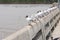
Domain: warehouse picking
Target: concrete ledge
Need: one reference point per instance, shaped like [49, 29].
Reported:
[21, 35]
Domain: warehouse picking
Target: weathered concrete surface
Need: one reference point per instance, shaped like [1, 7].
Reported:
[56, 32]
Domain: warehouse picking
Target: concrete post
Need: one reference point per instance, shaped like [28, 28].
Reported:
[43, 31]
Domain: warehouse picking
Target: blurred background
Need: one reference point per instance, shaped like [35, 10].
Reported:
[26, 1]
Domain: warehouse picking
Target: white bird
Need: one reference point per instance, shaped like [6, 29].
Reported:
[28, 18]
[38, 14]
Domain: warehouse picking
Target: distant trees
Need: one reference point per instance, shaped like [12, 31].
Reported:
[27, 1]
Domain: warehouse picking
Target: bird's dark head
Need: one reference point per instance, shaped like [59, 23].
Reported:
[26, 16]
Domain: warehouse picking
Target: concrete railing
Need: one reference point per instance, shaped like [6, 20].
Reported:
[39, 27]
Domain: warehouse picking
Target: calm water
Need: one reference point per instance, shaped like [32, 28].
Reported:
[12, 17]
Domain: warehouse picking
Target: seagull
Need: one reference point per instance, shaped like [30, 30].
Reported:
[28, 18]
[39, 14]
